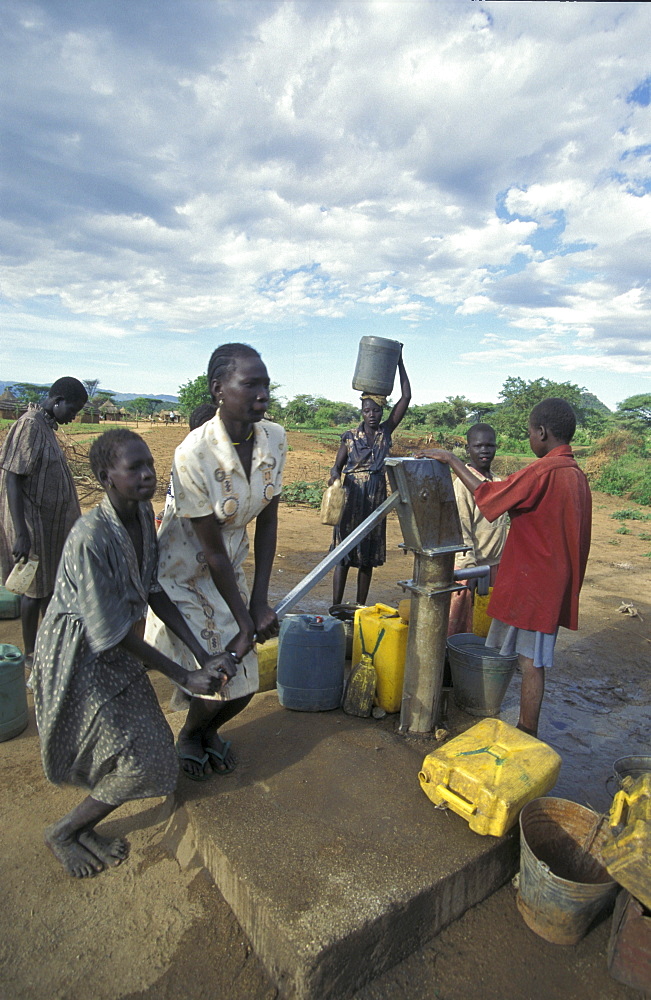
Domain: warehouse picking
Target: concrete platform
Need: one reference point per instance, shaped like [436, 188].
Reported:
[333, 860]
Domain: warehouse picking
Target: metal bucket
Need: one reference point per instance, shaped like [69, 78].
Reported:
[631, 766]
[377, 360]
[564, 885]
[13, 696]
[480, 675]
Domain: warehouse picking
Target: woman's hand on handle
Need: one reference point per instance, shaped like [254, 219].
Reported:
[265, 621]
[242, 643]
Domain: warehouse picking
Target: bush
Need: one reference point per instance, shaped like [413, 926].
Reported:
[630, 514]
[628, 476]
[302, 492]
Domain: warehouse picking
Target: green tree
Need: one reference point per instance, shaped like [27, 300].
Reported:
[301, 409]
[193, 394]
[146, 406]
[30, 392]
[90, 385]
[196, 391]
[518, 398]
[635, 411]
[481, 413]
[102, 396]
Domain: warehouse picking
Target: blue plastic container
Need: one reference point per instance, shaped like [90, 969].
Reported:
[13, 694]
[311, 658]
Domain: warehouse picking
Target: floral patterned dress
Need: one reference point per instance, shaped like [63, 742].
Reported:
[365, 486]
[208, 478]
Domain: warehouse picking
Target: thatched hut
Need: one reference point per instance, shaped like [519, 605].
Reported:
[109, 411]
[10, 408]
[89, 414]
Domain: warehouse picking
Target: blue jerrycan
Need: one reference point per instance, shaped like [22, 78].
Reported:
[311, 657]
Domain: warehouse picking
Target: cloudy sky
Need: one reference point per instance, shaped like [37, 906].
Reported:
[471, 178]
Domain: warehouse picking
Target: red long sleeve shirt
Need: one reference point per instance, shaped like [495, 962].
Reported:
[546, 551]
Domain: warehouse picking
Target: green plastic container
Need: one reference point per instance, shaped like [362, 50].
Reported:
[13, 694]
[9, 604]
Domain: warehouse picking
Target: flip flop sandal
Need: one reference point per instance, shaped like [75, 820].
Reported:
[205, 775]
[221, 756]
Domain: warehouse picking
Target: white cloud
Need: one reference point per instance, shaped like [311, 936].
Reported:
[255, 166]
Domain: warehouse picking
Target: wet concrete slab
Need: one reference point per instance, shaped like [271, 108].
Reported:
[333, 860]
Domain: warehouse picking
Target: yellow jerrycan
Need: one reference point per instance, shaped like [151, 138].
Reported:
[267, 663]
[488, 773]
[389, 656]
[626, 855]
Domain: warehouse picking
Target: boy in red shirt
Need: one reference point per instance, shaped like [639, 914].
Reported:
[544, 559]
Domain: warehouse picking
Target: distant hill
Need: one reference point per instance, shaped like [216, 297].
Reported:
[121, 396]
[125, 396]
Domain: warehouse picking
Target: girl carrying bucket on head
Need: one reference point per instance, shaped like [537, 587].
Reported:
[360, 460]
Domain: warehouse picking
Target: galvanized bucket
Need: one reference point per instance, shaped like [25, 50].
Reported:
[564, 885]
[631, 766]
[480, 675]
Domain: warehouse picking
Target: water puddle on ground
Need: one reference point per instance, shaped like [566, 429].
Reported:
[590, 726]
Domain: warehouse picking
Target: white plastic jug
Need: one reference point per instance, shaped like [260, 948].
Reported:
[20, 579]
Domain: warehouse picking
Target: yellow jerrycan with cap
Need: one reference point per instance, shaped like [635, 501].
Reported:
[487, 774]
[389, 656]
[627, 854]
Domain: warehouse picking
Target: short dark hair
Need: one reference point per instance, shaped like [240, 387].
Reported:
[223, 360]
[479, 429]
[201, 414]
[104, 449]
[70, 389]
[555, 415]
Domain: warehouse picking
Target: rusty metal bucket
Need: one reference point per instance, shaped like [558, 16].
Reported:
[564, 885]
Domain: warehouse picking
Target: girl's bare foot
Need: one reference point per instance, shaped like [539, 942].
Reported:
[110, 852]
[74, 857]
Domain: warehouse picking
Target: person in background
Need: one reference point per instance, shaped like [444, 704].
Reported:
[226, 473]
[485, 540]
[360, 459]
[546, 551]
[38, 500]
[99, 721]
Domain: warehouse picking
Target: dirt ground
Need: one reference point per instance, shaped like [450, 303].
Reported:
[151, 930]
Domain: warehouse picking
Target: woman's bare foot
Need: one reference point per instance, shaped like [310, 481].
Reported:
[192, 756]
[110, 852]
[74, 857]
[222, 758]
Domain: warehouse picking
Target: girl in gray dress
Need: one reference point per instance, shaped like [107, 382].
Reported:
[98, 718]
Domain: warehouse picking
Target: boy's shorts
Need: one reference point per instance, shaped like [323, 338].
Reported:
[537, 646]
